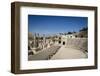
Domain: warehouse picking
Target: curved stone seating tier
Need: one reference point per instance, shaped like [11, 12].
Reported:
[77, 43]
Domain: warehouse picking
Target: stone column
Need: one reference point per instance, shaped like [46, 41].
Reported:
[35, 40]
[43, 41]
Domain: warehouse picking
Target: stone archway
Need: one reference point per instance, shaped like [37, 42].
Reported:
[63, 42]
[59, 42]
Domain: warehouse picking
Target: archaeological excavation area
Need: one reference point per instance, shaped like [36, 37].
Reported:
[69, 46]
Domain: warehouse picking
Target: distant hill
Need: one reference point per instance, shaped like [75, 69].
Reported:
[83, 34]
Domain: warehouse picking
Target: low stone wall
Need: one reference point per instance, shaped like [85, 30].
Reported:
[78, 43]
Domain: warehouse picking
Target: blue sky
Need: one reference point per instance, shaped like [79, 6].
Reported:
[55, 24]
